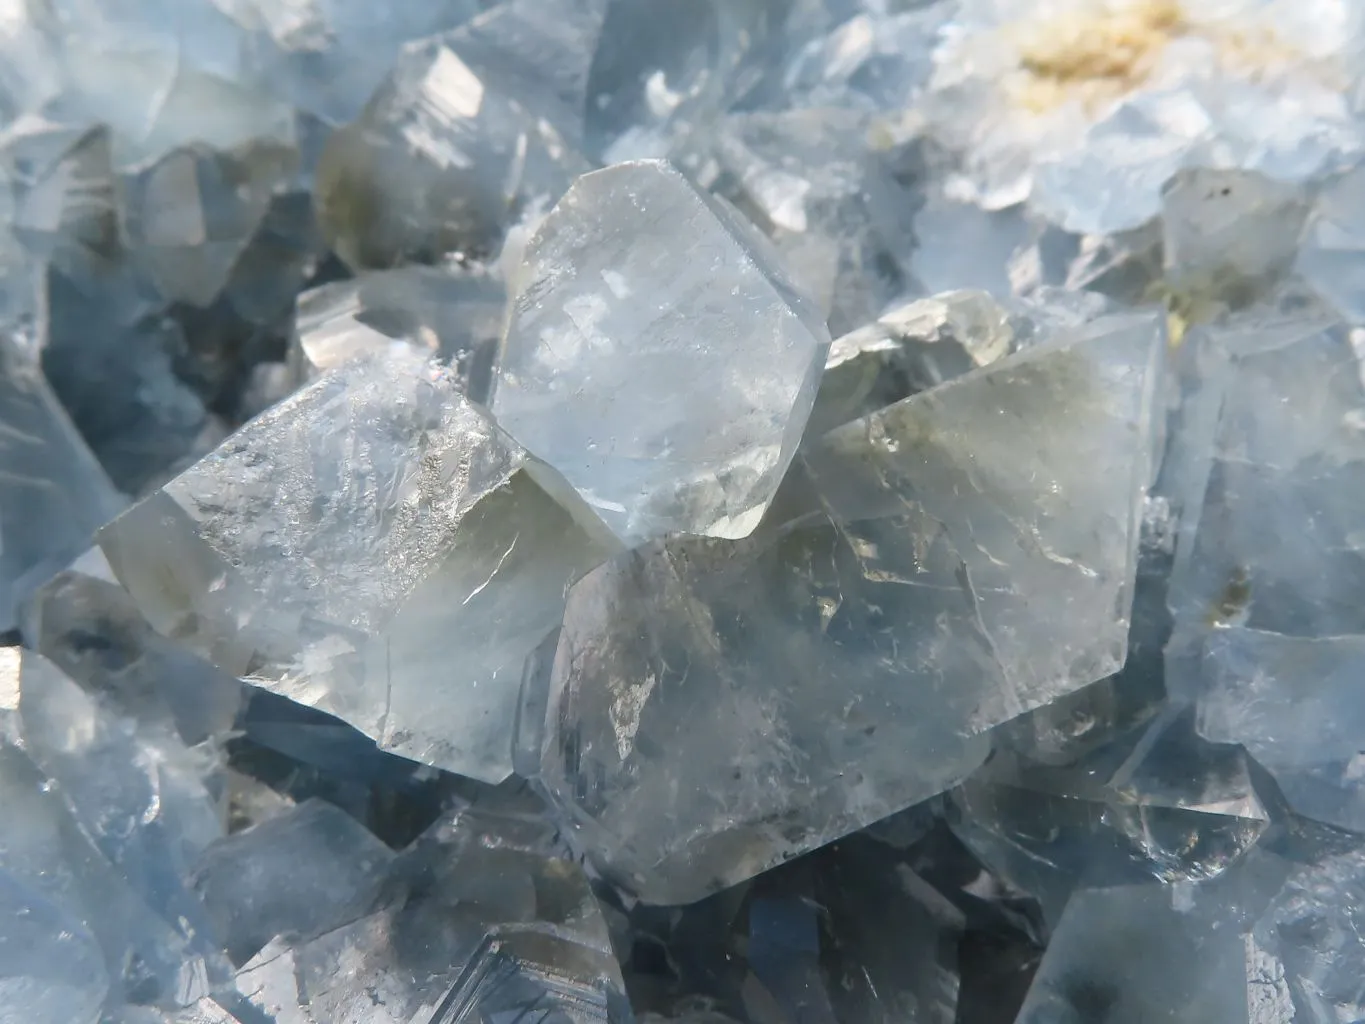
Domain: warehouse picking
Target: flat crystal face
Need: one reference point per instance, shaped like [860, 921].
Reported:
[604, 315]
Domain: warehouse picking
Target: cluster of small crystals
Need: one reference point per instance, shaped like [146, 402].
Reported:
[682, 511]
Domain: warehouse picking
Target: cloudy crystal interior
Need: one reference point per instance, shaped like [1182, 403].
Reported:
[682, 512]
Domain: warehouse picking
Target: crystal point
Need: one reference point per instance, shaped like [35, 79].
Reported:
[657, 356]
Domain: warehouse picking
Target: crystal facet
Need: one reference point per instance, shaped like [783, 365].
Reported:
[637, 276]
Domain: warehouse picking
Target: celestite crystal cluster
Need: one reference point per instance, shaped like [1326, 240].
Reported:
[682, 511]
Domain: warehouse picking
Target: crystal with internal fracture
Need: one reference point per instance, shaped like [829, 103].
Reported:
[657, 356]
[374, 547]
[964, 563]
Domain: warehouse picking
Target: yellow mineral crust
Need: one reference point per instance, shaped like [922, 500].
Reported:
[1097, 53]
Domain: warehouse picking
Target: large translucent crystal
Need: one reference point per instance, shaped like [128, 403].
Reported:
[657, 356]
[963, 563]
[374, 547]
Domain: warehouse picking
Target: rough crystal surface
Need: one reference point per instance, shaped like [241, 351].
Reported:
[636, 278]
[346, 544]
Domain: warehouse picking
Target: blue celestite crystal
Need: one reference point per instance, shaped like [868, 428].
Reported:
[449, 575]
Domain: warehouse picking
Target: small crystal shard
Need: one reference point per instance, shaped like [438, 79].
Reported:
[657, 357]
[348, 543]
[1129, 954]
[456, 316]
[907, 350]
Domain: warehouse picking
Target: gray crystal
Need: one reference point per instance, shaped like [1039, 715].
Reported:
[109, 352]
[456, 316]
[161, 75]
[64, 206]
[874, 59]
[54, 495]
[657, 356]
[1305, 954]
[346, 544]
[88, 626]
[1275, 500]
[663, 68]
[328, 56]
[1161, 804]
[907, 350]
[1228, 237]
[301, 873]
[491, 928]
[442, 160]
[190, 215]
[51, 968]
[134, 789]
[1292, 702]
[826, 199]
[1129, 955]
[890, 590]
